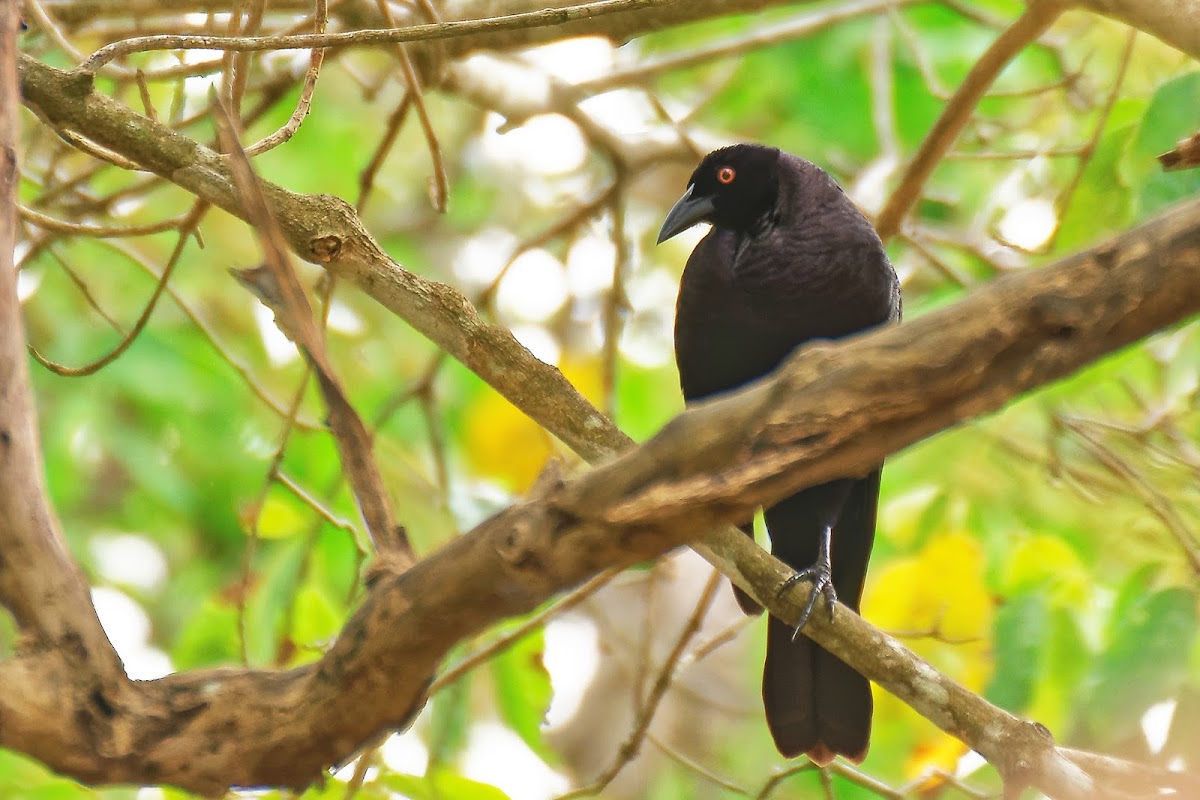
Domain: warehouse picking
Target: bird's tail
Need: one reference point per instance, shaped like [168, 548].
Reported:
[815, 704]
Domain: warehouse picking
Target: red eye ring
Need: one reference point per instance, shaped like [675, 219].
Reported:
[726, 174]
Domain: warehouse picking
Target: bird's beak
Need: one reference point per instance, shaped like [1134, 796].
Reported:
[686, 212]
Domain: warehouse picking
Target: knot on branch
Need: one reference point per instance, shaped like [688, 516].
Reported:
[1029, 757]
[521, 546]
[79, 83]
[393, 560]
[325, 249]
[1058, 317]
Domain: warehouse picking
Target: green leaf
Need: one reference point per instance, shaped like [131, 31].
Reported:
[1020, 632]
[449, 720]
[268, 603]
[1146, 662]
[1173, 114]
[1103, 200]
[22, 778]
[316, 619]
[1064, 669]
[441, 785]
[1132, 592]
[281, 516]
[209, 637]
[523, 690]
[1042, 561]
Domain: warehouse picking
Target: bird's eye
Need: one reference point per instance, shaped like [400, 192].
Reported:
[726, 174]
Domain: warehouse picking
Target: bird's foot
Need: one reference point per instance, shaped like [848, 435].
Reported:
[821, 575]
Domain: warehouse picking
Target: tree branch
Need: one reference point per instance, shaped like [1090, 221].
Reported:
[39, 582]
[206, 730]
[325, 230]
[830, 411]
[547, 18]
[1176, 22]
[1028, 27]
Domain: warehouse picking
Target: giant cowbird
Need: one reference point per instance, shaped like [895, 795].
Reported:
[789, 259]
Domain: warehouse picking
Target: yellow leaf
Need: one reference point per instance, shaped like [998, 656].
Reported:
[504, 444]
[942, 752]
[280, 518]
[1047, 561]
[939, 589]
[937, 602]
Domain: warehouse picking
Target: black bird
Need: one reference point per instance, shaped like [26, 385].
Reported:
[789, 259]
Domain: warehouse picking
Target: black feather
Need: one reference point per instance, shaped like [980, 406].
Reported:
[789, 259]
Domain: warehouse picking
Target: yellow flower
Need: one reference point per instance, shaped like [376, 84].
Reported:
[938, 604]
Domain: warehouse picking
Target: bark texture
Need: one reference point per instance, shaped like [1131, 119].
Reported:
[831, 410]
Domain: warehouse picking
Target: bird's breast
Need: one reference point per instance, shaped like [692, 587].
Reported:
[741, 311]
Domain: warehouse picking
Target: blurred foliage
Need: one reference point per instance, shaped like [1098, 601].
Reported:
[1011, 554]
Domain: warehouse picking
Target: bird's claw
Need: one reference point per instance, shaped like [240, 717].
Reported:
[822, 586]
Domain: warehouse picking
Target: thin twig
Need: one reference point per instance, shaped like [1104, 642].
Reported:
[934, 779]
[185, 231]
[85, 290]
[938, 90]
[368, 755]
[243, 61]
[254, 512]
[49, 223]
[722, 638]
[441, 184]
[50, 27]
[754, 39]
[772, 783]
[616, 304]
[933, 259]
[317, 506]
[207, 331]
[304, 103]
[1063, 202]
[415, 33]
[630, 747]
[883, 89]
[826, 782]
[1014, 155]
[698, 768]
[1146, 492]
[391, 130]
[1036, 18]
[144, 94]
[571, 222]
[279, 287]
[535, 622]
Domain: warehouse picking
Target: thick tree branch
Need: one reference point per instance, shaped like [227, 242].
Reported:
[326, 230]
[1176, 22]
[205, 730]
[832, 410]
[50, 605]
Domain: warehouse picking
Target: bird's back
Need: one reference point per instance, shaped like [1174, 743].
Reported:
[745, 304]
[789, 259]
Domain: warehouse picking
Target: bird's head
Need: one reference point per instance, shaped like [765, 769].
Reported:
[735, 187]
